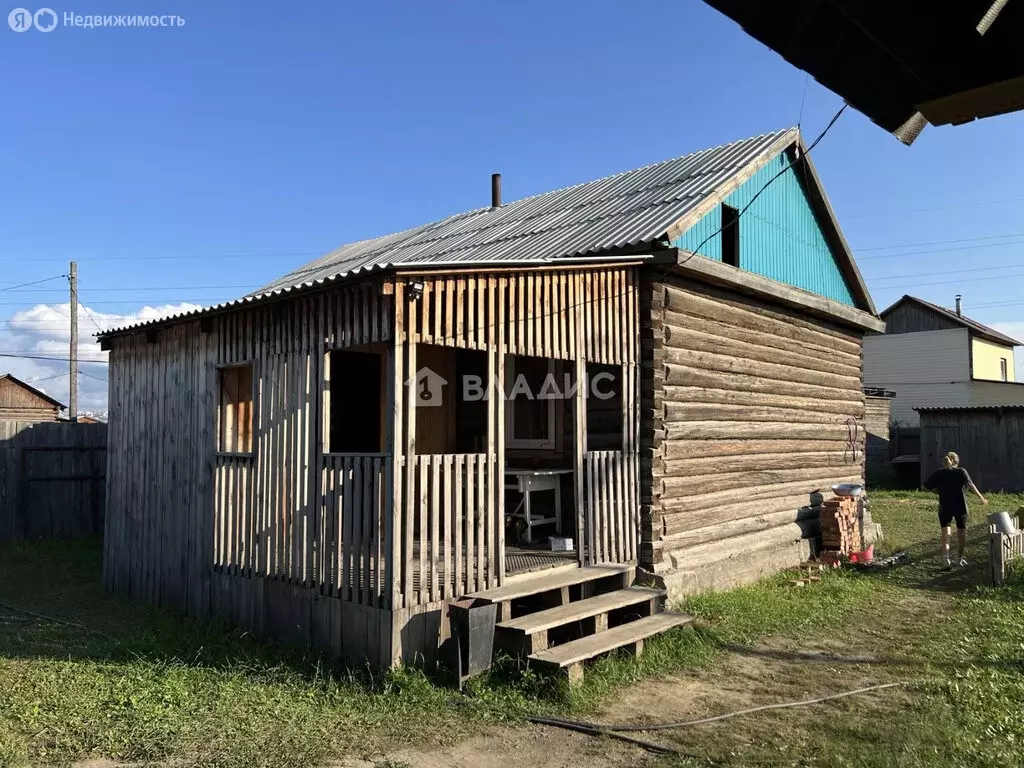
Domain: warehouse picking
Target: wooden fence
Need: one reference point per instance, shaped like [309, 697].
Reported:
[52, 479]
[1002, 549]
[610, 528]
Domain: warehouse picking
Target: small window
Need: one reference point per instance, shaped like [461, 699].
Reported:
[355, 403]
[730, 236]
[1004, 369]
[531, 404]
[234, 411]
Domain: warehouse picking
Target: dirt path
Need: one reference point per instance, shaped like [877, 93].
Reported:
[857, 653]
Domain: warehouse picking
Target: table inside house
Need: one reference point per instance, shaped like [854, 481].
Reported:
[528, 482]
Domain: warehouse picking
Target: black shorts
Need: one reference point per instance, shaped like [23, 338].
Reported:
[945, 518]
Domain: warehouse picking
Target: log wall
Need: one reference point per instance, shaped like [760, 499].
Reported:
[748, 408]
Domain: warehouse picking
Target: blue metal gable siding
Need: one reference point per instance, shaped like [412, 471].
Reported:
[780, 236]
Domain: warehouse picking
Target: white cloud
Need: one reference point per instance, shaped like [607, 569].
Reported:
[45, 330]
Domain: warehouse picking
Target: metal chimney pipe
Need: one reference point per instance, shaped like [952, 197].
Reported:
[959, 305]
[495, 190]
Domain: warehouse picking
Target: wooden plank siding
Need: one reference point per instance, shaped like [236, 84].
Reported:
[747, 409]
[253, 536]
[353, 553]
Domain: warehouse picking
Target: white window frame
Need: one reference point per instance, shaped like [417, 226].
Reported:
[525, 442]
[1004, 369]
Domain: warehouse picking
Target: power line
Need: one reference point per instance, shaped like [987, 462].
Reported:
[50, 358]
[934, 208]
[192, 257]
[48, 378]
[939, 242]
[949, 272]
[151, 288]
[35, 282]
[83, 373]
[939, 250]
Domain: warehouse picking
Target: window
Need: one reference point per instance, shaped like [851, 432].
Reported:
[531, 404]
[1004, 371]
[354, 403]
[730, 236]
[234, 410]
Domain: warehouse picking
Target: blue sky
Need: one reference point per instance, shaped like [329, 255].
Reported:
[193, 163]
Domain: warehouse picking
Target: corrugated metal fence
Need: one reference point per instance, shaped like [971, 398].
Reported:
[52, 479]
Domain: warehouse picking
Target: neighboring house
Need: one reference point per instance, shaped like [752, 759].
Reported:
[317, 460]
[23, 402]
[936, 357]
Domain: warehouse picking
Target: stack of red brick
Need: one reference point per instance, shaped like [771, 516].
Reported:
[840, 528]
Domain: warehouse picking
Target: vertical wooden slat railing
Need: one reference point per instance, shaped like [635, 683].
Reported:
[444, 553]
[352, 558]
[611, 512]
[234, 550]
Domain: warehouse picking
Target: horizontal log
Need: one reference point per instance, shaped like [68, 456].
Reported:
[677, 337]
[740, 549]
[674, 487]
[698, 323]
[716, 465]
[726, 362]
[739, 527]
[695, 449]
[677, 523]
[676, 412]
[854, 406]
[747, 313]
[758, 493]
[770, 430]
[680, 375]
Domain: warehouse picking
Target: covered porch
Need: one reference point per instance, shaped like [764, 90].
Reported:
[502, 413]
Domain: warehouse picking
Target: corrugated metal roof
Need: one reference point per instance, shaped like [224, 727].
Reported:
[627, 209]
[953, 408]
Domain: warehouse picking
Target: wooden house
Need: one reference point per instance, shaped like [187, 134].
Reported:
[629, 368]
[931, 356]
[23, 402]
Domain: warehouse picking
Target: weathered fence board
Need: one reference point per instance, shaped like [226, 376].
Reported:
[52, 479]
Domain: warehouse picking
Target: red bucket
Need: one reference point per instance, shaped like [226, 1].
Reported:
[864, 556]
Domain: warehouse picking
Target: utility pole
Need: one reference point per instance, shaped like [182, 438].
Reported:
[73, 357]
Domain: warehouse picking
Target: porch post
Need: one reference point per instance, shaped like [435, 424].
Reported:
[393, 502]
[580, 425]
[499, 452]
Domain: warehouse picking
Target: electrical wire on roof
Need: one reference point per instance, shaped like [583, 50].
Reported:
[768, 183]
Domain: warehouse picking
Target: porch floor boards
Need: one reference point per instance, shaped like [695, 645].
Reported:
[548, 582]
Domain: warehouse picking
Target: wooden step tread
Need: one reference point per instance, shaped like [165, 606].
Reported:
[546, 582]
[580, 609]
[593, 645]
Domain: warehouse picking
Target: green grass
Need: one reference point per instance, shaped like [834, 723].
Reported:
[138, 684]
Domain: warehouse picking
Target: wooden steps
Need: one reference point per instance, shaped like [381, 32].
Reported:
[529, 634]
[571, 656]
[561, 619]
[553, 588]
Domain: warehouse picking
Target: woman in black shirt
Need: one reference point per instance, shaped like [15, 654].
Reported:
[950, 483]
